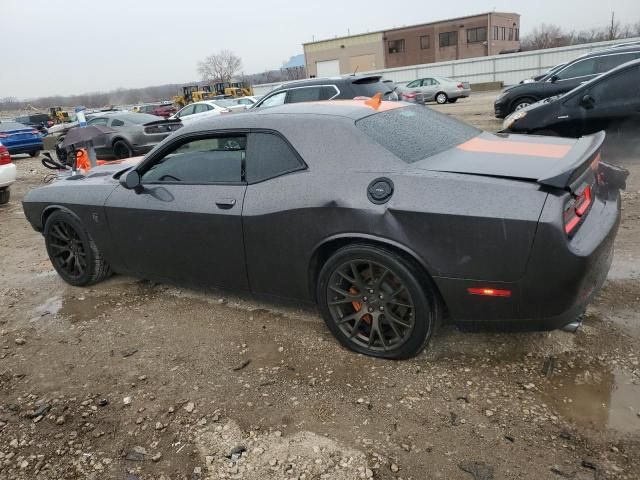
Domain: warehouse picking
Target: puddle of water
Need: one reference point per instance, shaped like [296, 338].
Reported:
[76, 309]
[597, 397]
[87, 306]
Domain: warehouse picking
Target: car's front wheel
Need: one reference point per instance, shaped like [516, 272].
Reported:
[376, 302]
[72, 251]
[34, 153]
[122, 149]
[521, 103]
[5, 196]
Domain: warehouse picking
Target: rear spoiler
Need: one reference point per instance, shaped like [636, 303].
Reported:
[161, 122]
[577, 161]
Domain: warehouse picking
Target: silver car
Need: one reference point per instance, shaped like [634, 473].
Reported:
[137, 133]
[438, 89]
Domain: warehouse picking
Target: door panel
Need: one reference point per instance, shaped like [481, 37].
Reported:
[179, 232]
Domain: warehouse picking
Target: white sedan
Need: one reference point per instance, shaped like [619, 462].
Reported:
[7, 174]
[199, 110]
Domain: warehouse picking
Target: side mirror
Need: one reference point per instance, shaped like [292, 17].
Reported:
[587, 101]
[554, 78]
[131, 180]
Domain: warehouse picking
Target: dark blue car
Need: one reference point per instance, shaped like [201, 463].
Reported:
[19, 138]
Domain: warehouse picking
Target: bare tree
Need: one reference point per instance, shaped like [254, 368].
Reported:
[220, 66]
[544, 36]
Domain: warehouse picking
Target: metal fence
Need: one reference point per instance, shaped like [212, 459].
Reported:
[508, 69]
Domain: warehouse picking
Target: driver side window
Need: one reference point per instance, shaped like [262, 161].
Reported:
[98, 121]
[274, 100]
[202, 161]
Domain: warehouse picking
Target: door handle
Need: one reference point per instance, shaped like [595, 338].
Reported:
[225, 203]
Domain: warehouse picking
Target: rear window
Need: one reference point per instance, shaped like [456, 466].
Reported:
[368, 87]
[415, 133]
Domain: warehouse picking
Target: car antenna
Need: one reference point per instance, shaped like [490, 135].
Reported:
[355, 71]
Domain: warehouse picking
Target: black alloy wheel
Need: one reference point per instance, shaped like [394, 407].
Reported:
[68, 253]
[72, 252]
[375, 303]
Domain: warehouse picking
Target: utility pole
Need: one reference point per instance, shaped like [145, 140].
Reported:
[611, 29]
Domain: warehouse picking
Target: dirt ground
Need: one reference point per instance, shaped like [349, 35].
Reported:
[135, 380]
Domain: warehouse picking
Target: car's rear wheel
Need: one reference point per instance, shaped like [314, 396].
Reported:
[452, 100]
[72, 251]
[521, 103]
[122, 149]
[5, 195]
[377, 303]
[441, 98]
[34, 153]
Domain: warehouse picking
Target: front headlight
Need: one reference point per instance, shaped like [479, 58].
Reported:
[513, 118]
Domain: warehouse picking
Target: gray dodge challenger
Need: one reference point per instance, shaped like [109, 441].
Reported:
[389, 216]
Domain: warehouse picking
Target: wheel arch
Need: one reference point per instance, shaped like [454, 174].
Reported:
[119, 138]
[327, 247]
[50, 209]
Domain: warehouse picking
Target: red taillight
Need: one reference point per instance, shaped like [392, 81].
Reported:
[460, 86]
[4, 135]
[409, 95]
[5, 158]
[489, 292]
[35, 132]
[576, 210]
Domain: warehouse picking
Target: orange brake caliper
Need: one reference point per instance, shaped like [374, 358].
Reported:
[357, 305]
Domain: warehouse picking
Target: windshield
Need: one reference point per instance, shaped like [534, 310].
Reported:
[415, 133]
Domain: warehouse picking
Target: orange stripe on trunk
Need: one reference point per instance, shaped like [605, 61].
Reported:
[549, 150]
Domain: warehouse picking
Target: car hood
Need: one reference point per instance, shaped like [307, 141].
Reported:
[114, 166]
[549, 161]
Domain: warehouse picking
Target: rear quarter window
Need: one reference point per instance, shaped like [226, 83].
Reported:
[415, 133]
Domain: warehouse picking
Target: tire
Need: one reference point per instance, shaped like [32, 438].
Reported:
[452, 100]
[5, 195]
[121, 149]
[63, 233]
[34, 154]
[521, 103]
[386, 329]
[441, 98]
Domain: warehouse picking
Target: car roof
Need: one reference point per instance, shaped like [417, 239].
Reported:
[326, 80]
[609, 51]
[347, 109]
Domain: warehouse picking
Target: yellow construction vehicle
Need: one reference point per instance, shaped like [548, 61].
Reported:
[233, 89]
[57, 115]
[192, 93]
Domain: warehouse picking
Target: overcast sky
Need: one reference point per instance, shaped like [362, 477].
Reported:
[77, 46]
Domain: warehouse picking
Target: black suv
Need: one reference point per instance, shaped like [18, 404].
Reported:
[316, 89]
[573, 74]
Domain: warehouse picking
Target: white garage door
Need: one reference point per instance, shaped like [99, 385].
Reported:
[328, 68]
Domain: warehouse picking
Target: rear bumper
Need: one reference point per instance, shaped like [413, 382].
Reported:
[562, 277]
[7, 175]
[25, 147]
[464, 93]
